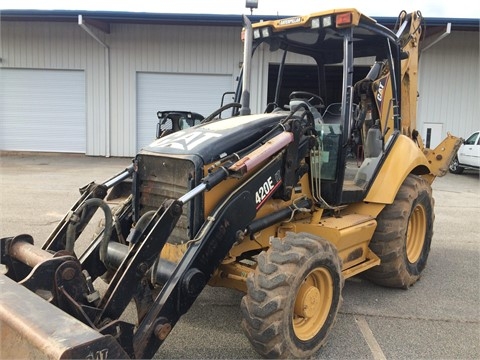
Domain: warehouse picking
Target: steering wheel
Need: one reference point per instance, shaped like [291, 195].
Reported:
[309, 97]
[271, 107]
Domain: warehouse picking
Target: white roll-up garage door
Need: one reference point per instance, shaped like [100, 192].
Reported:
[42, 110]
[182, 92]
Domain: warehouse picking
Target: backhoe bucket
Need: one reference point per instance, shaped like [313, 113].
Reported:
[32, 328]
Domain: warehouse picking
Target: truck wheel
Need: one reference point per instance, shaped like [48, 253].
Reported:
[454, 166]
[293, 297]
[403, 235]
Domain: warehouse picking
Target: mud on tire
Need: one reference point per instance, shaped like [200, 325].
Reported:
[403, 235]
[293, 297]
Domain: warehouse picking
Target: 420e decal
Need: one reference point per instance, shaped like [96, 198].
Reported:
[263, 192]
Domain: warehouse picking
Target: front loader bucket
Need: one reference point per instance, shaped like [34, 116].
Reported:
[32, 328]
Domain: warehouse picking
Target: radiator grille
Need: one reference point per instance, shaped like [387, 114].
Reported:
[161, 178]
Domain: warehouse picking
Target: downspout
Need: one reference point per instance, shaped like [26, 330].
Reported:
[439, 38]
[107, 81]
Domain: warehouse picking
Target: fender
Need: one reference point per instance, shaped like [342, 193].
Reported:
[404, 158]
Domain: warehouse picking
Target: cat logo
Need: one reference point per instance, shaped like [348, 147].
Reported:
[182, 140]
[381, 86]
[98, 355]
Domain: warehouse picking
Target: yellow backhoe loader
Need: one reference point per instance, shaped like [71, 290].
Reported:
[272, 204]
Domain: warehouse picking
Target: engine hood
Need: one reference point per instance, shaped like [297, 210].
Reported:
[210, 140]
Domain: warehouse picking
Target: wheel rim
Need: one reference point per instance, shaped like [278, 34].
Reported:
[312, 304]
[454, 165]
[417, 225]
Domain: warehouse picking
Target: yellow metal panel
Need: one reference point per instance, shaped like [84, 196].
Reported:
[403, 158]
[302, 21]
[364, 208]
[350, 234]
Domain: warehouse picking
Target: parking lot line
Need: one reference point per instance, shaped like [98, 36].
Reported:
[369, 338]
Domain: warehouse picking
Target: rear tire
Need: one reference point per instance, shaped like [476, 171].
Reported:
[293, 297]
[454, 166]
[403, 235]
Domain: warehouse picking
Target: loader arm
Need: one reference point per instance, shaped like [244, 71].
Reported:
[58, 238]
[66, 283]
[211, 245]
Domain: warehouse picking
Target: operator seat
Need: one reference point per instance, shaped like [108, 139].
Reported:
[367, 113]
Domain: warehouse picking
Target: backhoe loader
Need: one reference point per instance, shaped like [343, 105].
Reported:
[270, 204]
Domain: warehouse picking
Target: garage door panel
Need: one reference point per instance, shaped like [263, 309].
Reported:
[199, 93]
[42, 110]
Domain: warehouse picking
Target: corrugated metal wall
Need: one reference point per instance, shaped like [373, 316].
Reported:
[48, 45]
[163, 49]
[132, 49]
[449, 83]
[449, 71]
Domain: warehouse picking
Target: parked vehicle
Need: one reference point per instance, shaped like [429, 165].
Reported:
[173, 121]
[468, 155]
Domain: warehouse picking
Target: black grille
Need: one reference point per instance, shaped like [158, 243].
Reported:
[161, 178]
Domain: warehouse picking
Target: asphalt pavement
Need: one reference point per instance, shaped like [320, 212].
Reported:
[437, 318]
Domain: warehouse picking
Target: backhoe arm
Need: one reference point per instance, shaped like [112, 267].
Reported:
[410, 29]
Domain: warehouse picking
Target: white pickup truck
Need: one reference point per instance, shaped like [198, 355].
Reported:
[468, 155]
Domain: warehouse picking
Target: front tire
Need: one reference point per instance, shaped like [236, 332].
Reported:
[293, 297]
[455, 167]
[403, 235]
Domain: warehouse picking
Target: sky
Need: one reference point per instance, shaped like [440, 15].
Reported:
[382, 8]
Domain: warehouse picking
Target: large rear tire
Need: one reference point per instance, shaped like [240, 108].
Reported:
[293, 297]
[403, 235]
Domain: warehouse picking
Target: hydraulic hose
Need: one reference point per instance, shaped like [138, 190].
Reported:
[140, 227]
[78, 219]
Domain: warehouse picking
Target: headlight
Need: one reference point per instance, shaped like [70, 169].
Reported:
[327, 21]
[265, 32]
[315, 24]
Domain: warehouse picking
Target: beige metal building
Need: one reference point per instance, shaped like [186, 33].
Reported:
[92, 82]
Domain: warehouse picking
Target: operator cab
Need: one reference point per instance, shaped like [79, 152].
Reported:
[346, 86]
